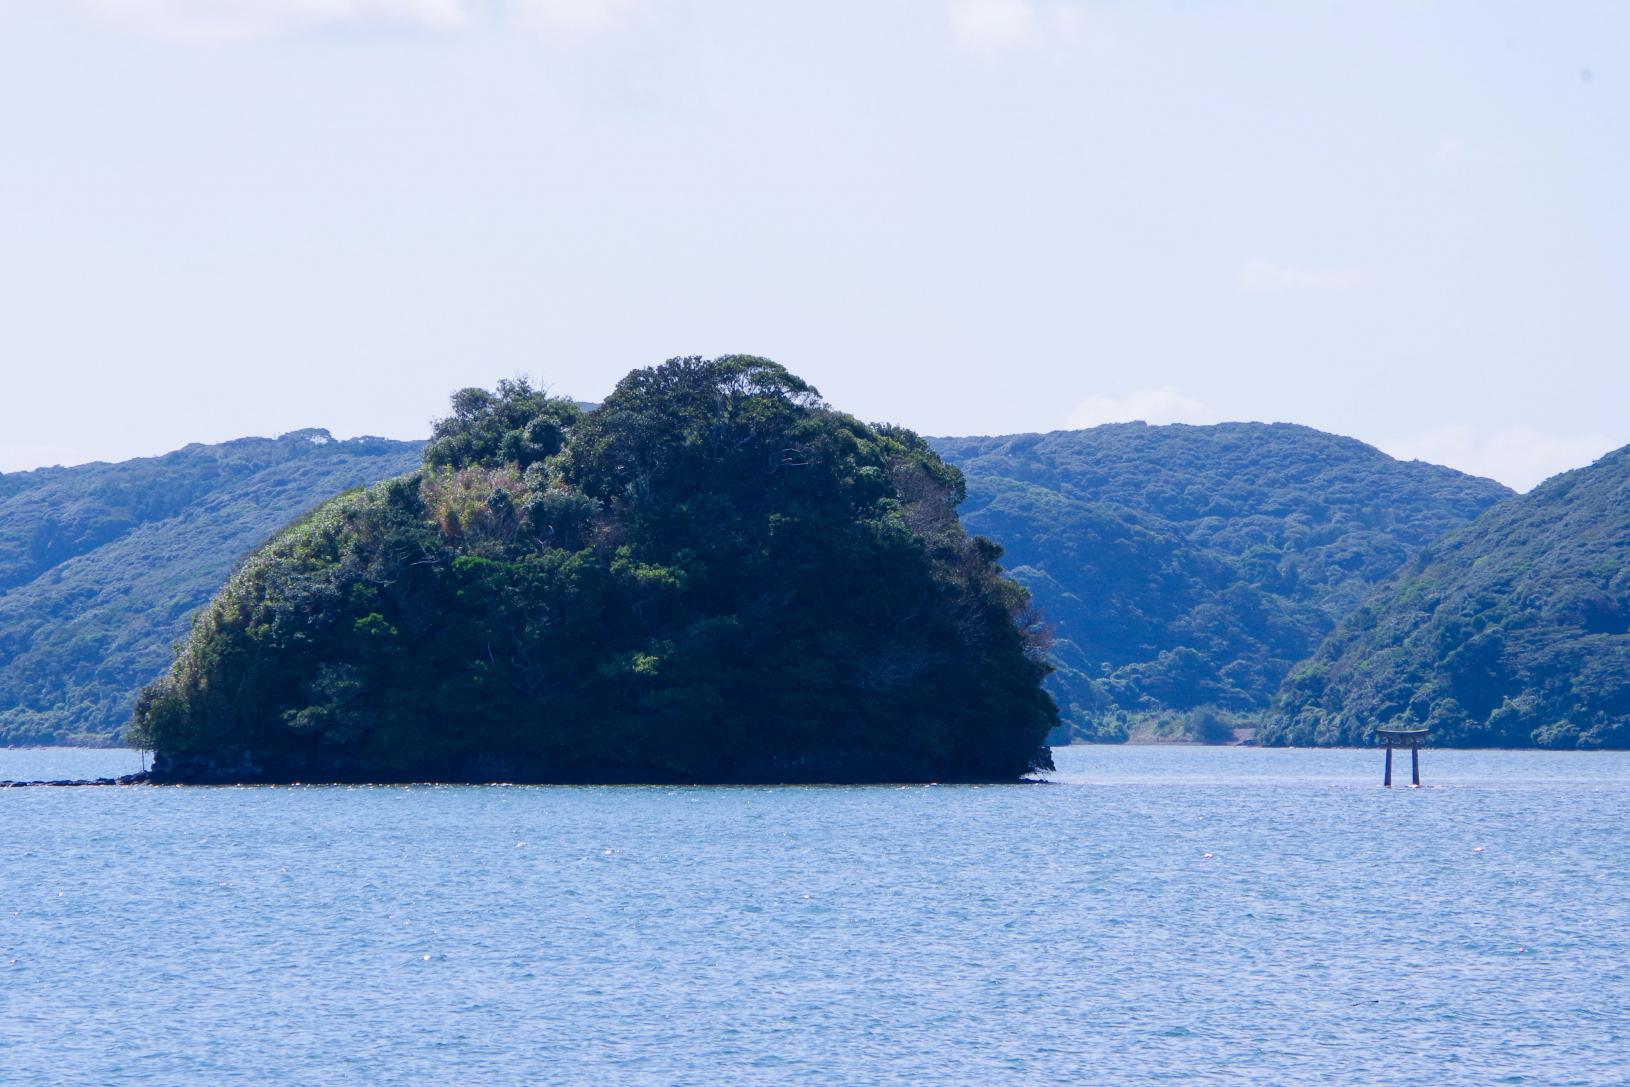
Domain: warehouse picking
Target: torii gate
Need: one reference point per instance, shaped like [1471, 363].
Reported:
[1397, 736]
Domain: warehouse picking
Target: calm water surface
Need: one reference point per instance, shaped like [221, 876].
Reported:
[1157, 915]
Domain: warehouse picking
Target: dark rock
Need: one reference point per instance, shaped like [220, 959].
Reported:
[142, 778]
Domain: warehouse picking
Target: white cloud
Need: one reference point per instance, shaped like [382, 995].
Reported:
[988, 26]
[253, 18]
[1270, 277]
[1519, 457]
[1156, 404]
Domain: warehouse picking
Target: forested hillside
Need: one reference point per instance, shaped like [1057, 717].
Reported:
[1512, 632]
[1186, 569]
[102, 565]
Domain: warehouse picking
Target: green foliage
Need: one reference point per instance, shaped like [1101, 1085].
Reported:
[1183, 567]
[1512, 632]
[516, 425]
[713, 577]
[107, 563]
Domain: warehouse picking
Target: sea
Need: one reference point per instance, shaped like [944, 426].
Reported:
[1148, 915]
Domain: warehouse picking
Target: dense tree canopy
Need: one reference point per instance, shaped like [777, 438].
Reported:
[1512, 632]
[1187, 569]
[711, 577]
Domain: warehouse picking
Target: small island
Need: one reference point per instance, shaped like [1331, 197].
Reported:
[711, 577]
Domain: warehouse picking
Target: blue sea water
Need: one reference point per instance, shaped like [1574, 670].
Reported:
[1156, 915]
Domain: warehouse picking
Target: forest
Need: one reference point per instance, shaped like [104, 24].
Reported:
[1196, 582]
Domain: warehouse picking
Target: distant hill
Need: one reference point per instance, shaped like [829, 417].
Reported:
[102, 565]
[1187, 569]
[1512, 632]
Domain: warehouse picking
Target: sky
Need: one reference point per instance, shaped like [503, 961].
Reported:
[1400, 221]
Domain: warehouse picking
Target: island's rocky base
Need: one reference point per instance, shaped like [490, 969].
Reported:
[143, 778]
[832, 768]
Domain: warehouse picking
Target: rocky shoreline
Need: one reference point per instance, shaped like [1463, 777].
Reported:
[143, 778]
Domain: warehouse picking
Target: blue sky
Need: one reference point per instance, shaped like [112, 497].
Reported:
[1399, 221]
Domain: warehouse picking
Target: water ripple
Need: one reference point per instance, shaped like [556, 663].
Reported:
[1157, 916]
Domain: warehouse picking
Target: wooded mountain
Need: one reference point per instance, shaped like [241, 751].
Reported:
[711, 577]
[1512, 632]
[1186, 569]
[103, 565]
